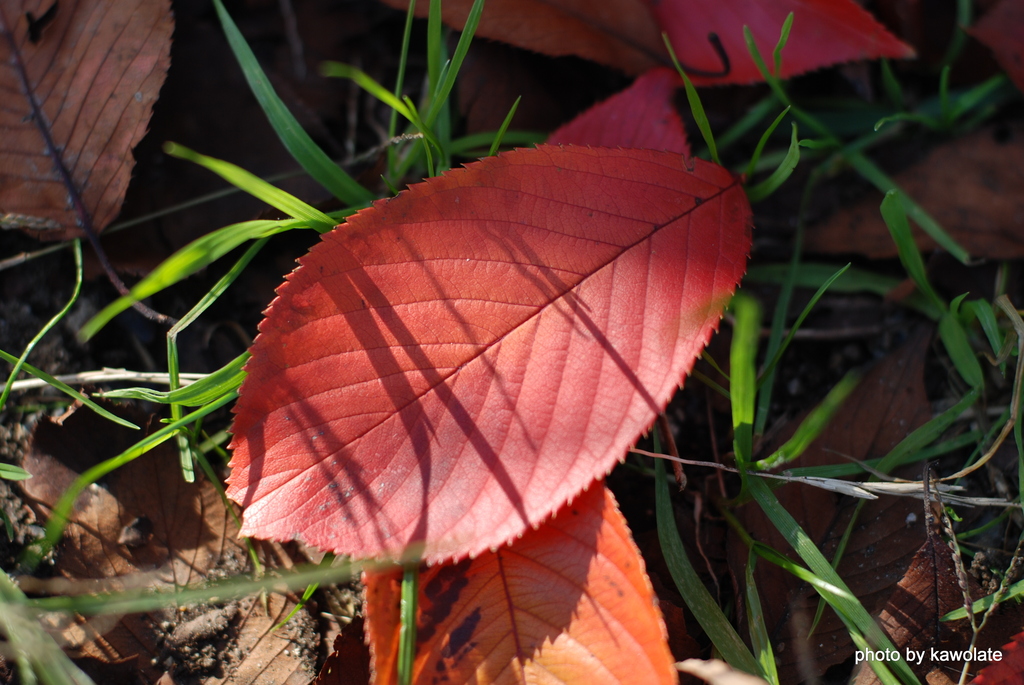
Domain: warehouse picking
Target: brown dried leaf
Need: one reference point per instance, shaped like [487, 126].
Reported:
[889, 403]
[970, 185]
[143, 525]
[911, 616]
[78, 94]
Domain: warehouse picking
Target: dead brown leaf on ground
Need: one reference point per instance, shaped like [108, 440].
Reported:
[80, 79]
[144, 526]
[970, 185]
[889, 403]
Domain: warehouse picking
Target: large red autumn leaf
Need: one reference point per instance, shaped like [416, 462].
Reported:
[640, 116]
[451, 365]
[824, 32]
[78, 91]
[569, 602]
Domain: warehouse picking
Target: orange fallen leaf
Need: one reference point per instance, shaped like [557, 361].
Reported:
[566, 603]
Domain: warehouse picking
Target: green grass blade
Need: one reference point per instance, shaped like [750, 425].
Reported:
[298, 143]
[440, 97]
[853, 280]
[407, 632]
[68, 390]
[954, 339]
[743, 384]
[20, 363]
[781, 173]
[12, 472]
[759, 637]
[696, 108]
[198, 254]
[777, 357]
[812, 426]
[824, 578]
[756, 157]
[255, 186]
[504, 127]
[366, 82]
[891, 84]
[896, 219]
[1014, 591]
[211, 388]
[435, 46]
[725, 638]
[787, 25]
[986, 316]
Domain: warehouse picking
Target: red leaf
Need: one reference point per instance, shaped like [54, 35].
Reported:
[1002, 30]
[569, 601]
[825, 32]
[450, 366]
[640, 116]
[1007, 671]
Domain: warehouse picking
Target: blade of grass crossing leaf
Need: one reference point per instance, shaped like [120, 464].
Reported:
[197, 255]
[759, 638]
[896, 219]
[20, 363]
[787, 25]
[754, 158]
[725, 638]
[824, 578]
[407, 632]
[448, 82]
[68, 390]
[743, 384]
[812, 426]
[307, 153]
[781, 173]
[504, 127]
[255, 186]
[798, 323]
[696, 108]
